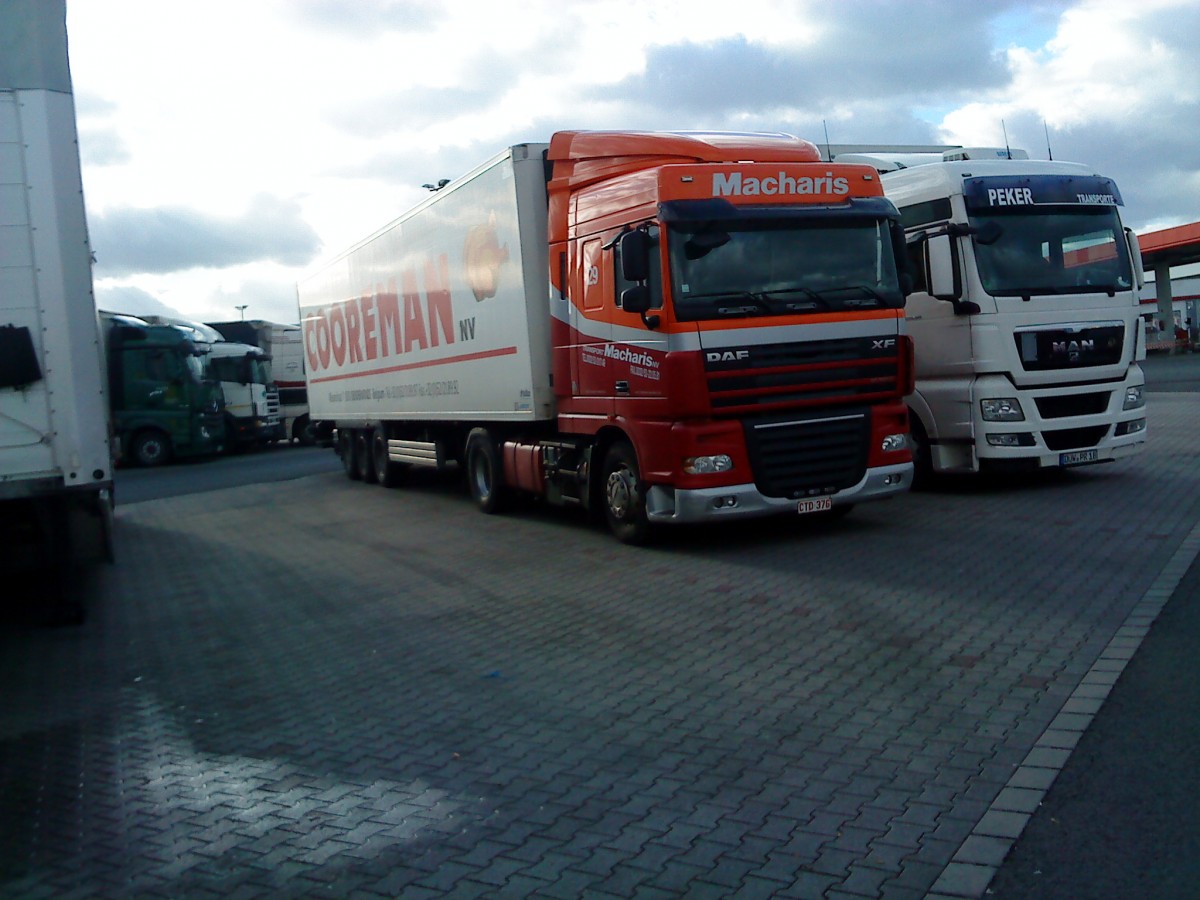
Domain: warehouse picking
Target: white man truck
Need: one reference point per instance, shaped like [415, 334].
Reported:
[1025, 314]
[284, 346]
[660, 327]
[55, 452]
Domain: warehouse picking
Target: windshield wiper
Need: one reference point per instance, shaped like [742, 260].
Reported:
[815, 300]
[753, 303]
[872, 295]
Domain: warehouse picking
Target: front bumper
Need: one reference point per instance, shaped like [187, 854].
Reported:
[668, 505]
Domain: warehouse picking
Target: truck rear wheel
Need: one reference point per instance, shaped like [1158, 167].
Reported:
[362, 455]
[150, 448]
[624, 496]
[387, 473]
[485, 472]
[345, 445]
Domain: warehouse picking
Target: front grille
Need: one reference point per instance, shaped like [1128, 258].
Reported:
[1073, 347]
[1075, 438]
[758, 378]
[1072, 405]
[810, 454]
[272, 402]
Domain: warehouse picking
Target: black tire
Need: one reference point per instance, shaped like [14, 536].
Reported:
[362, 455]
[485, 472]
[345, 446]
[387, 473]
[104, 511]
[624, 495]
[302, 431]
[233, 441]
[923, 473]
[150, 448]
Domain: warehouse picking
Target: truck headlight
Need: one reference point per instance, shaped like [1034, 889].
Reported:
[1004, 409]
[707, 465]
[1134, 398]
[893, 442]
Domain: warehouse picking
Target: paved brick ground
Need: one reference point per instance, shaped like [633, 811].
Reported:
[321, 688]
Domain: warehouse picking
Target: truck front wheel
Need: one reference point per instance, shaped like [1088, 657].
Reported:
[485, 472]
[150, 448]
[624, 497]
[922, 455]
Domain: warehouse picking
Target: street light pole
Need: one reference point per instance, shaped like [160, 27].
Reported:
[242, 310]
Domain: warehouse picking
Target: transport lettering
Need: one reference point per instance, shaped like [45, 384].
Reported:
[383, 322]
[1103, 199]
[734, 184]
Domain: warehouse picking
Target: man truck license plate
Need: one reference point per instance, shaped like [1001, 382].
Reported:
[816, 504]
[1079, 456]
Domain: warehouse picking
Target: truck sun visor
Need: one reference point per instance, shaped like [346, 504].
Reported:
[717, 209]
[1006, 191]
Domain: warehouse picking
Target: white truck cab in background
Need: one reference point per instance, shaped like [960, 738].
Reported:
[1024, 312]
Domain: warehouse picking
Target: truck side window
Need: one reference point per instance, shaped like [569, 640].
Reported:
[654, 283]
[593, 275]
[225, 369]
[917, 267]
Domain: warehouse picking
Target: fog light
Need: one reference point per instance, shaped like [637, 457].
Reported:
[893, 442]
[707, 465]
[1013, 439]
[728, 502]
[1134, 398]
[1123, 428]
[892, 479]
[1003, 409]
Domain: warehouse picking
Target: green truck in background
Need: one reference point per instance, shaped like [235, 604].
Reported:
[165, 404]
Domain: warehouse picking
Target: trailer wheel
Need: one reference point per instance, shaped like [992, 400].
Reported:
[387, 473]
[485, 472]
[150, 448]
[345, 448]
[624, 497]
[362, 455]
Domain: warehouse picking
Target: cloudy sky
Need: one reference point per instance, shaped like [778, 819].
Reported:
[231, 145]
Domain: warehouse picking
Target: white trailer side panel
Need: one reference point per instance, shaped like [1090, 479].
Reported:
[442, 315]
[56, 427]
[286, 346]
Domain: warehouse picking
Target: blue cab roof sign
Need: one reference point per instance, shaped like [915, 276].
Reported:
[993, 192]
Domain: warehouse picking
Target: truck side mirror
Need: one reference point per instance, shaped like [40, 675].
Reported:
[942, 272]
[635, 299]
[634, 248]
[1135, 258]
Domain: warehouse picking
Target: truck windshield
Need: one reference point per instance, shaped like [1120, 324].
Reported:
[259, 370]
[738, 268]
[1058, 250]
[196, 368]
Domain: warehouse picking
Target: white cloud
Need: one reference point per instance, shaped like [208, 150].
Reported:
[190, 111]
